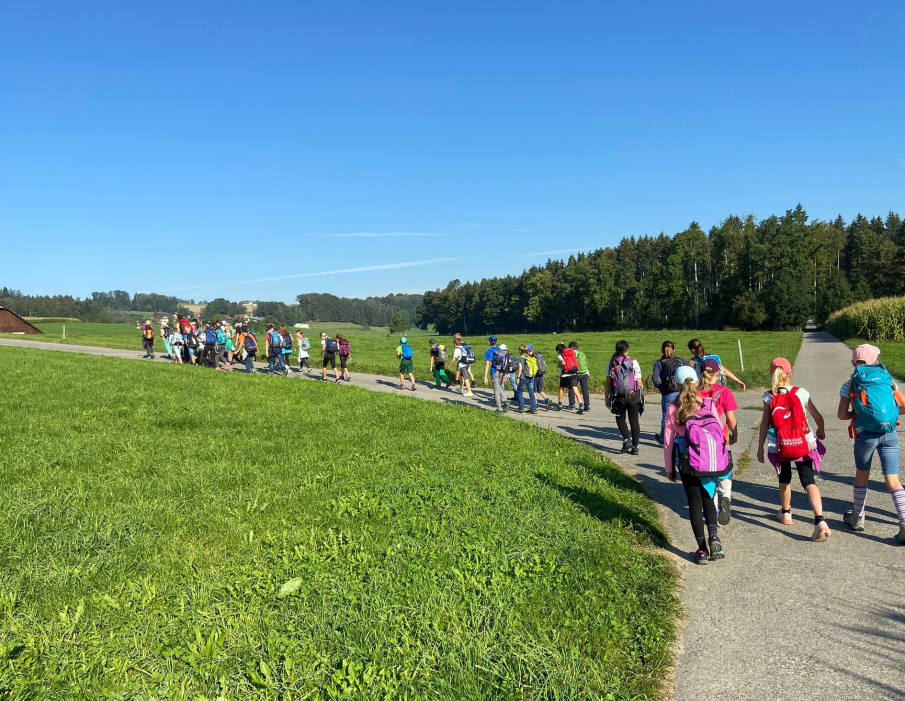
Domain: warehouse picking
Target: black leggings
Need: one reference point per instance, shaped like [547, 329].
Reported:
[583, 383]
[634, 411]
[701, 508]
[805, 472]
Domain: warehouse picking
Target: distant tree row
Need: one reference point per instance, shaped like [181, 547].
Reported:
[775, 273]
[100, 307]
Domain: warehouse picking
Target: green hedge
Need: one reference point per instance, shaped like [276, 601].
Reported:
[876, 320]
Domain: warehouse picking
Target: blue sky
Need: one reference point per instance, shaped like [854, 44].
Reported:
[252, 150]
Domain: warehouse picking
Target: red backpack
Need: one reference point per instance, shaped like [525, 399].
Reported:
[569, 361]
[788, 420]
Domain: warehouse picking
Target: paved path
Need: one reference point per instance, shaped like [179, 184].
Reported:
[781, 617]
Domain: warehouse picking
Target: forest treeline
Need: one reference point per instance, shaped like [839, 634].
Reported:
[371, 311]
[775, 273]
[99, 307]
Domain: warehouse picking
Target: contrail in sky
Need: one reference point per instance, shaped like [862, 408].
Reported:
[363, 269]
[375, 235]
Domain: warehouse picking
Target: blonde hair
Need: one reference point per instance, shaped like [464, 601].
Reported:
[779, 379]
[712, 378]
[689, 401]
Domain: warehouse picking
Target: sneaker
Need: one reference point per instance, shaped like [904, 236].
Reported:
[784, 517]
[821, 533]
[580, 410]
[701, 557]
[900, 538]
[569, 407]
[626, 446]
[506, 406]
[414, 388]
[470, 394]
[725, 511]
[636, 450]
[716, 548]
[498, 411]
[399, 387]
[557, 407]
[853, 522]
[532, 411]
[547, 403]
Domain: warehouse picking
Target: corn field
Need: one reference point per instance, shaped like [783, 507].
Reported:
[876, 320]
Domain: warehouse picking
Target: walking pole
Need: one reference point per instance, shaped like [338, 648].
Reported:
[741, 360]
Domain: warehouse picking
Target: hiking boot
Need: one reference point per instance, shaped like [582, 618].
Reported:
[636, 450]
[716, 548]
[701, 557]
[852, 521]
[724, 515]
[626, 446]
[900, 538]
[784, 517]
[821, 533]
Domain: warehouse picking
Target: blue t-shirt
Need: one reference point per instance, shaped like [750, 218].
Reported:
[488, 356]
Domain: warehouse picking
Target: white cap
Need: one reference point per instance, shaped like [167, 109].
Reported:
[503, 346]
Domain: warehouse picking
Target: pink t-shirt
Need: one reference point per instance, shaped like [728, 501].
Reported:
[723, 401]
[673, 429]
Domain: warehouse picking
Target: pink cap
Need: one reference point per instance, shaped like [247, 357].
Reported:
[782, 364]
[867, 353]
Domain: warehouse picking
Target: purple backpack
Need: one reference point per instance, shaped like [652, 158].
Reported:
[704, 452]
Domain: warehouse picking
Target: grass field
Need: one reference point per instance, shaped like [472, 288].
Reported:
[231, 537]
[373, 352]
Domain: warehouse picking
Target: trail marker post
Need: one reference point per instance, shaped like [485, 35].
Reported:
[741, 360]
[64, 332]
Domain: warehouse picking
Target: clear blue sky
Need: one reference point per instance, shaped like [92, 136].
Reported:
[149, 146]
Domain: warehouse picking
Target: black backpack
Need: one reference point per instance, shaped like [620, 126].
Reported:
[191, 340]
[331, 346]
[541, 363]
[511, 365]
[668, 375]
[287, 342]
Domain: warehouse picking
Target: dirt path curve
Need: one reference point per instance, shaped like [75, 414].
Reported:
[780, 617]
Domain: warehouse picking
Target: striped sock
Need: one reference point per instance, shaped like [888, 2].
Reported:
[860, 501]
[898, 498]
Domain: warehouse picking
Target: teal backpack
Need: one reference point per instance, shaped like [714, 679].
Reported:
[873, 399]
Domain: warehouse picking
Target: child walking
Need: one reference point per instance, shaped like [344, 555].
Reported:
[691, 417]
[871, 401]
[784, 416]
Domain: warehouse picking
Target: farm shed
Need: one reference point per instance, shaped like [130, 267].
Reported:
[10, 322]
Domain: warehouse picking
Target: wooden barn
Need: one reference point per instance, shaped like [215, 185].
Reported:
[10, 322]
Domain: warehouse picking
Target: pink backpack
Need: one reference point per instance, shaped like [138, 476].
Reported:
[704, 453]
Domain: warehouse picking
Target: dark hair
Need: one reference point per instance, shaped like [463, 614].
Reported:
[621, 348]
[560, 347]
[666, 344]
[573, 344]
[696, 347]
[339, 337]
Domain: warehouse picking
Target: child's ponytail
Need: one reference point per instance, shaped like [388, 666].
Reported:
[689, 401]
[779, 380]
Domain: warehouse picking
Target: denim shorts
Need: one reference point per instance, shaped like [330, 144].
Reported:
[886, 445]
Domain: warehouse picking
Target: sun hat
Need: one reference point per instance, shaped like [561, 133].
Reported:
[530, 346]
[712, 365]
[492, 339]
[866, 353]
[782, 364]
[503, 346]
[685, 373]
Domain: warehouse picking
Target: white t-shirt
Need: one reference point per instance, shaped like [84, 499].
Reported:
[457, 357]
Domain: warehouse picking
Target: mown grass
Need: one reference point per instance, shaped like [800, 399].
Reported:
[374, 352]
[892, 353]
[184, 537]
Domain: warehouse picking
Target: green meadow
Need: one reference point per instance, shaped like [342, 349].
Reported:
[174, 535]
[373, 350]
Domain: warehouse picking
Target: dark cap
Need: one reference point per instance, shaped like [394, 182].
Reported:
[712, 365]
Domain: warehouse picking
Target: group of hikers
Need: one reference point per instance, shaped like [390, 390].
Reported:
[698, 425]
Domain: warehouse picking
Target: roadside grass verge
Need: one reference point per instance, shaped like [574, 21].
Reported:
[188, 537]
[892, 353]
[374, 353]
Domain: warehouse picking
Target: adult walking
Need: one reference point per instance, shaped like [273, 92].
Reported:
[699, 354]
[664, 378]
[625, 396]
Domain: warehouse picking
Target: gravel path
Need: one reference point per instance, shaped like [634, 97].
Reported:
[781, 617]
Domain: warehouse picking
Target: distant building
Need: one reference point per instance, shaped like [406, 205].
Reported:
[250, 306]
[10, 322]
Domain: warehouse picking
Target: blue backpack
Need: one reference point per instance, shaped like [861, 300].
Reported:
[499, 360]
[210, 338]
[407, 351]
[873, 399]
